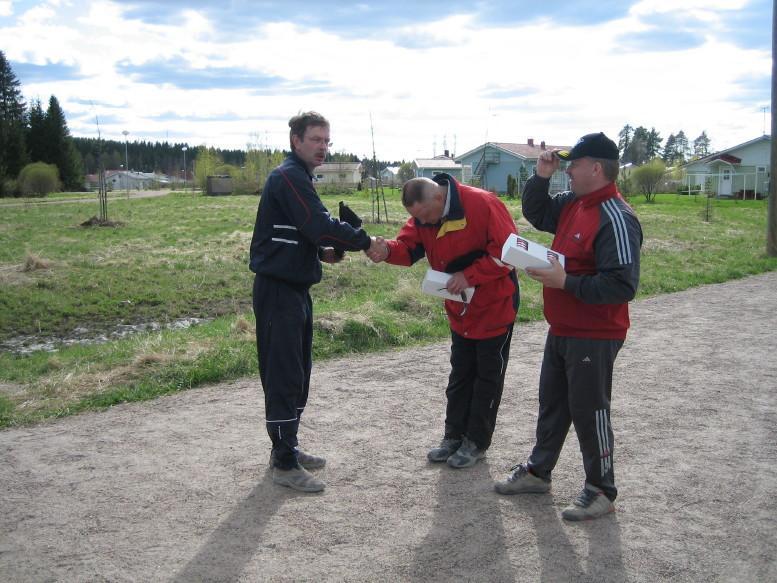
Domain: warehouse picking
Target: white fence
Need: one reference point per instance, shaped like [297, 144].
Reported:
[729, 183]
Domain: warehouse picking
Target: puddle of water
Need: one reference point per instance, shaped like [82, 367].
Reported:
[28, 344]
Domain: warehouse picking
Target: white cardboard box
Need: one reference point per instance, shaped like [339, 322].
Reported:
[434, 284]
[523, 253]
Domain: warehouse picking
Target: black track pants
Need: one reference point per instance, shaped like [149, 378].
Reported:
[475, 386]
[576, 387]
[284, 342]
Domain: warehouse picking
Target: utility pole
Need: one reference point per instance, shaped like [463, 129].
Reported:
[126, 162]
[771, 224]
[376, 187]
[184, 163]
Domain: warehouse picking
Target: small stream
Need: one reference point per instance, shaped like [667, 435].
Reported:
[22, 345]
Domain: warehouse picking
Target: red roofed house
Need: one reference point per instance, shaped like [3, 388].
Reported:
[742, 171]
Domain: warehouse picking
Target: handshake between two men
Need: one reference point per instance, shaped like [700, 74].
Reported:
[379, 250]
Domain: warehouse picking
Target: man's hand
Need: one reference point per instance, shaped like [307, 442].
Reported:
[457, 283]
[553, 276]
[378, 250]
[328, 255]
[547, 164]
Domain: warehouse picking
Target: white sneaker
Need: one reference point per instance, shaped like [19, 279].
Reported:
[522, 481]
[590, 503]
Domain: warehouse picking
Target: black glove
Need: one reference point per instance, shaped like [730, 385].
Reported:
[350, 217]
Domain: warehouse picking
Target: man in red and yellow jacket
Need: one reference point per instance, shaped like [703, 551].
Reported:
[461, 230]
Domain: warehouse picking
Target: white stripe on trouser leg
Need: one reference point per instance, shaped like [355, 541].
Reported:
[607, 443]
[602, 437]
[599, 439]
[501, 352]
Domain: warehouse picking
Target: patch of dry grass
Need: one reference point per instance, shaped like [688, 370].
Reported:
[243, 329]
[334, 322]
[33, 262]
[63, 387]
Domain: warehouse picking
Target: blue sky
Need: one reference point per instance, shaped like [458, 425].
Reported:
[431, 75]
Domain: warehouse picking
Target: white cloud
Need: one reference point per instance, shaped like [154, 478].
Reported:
[455, 80]
[6, 8]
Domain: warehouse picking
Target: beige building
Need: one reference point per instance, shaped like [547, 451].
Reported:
[341, 174]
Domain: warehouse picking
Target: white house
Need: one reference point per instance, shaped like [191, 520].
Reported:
[741, 171]
[341, 174]
[128, 180]
[430, 167]
[389, 176]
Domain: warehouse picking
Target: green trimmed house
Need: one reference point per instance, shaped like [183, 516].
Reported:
[739, 172]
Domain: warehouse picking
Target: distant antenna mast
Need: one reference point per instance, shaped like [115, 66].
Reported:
[377, 185]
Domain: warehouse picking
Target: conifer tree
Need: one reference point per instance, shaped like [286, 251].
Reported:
[13, 152]
[59, 147]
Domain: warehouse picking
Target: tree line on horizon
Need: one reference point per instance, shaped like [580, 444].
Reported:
[38, 154]
[639, 146]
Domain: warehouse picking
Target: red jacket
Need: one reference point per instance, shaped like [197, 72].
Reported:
[477, 221]
[600, 237]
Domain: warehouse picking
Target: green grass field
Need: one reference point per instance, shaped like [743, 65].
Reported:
[185, 255]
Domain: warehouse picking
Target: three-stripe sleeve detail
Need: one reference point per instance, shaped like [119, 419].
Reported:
[620, 231]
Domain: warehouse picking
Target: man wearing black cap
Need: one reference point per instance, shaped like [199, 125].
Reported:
[587, 309]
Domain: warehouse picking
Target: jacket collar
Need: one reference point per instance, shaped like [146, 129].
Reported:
[293, 158]
[599, 196]
[455, 219]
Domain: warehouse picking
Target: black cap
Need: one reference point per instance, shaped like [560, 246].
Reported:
[592, 145]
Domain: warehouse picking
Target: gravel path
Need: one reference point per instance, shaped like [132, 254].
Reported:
[177, 489]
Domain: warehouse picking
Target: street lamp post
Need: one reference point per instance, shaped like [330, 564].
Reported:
[126, 162]
[184, 167]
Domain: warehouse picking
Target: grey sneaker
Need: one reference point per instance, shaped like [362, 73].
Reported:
[590, 503]
[522, 481]
[467, 455]
[297, 479]
[310, 461]
[445, 450]
[306, 460]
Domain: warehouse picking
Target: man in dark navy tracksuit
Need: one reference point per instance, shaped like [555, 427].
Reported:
[293, 234]
[587, 309]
